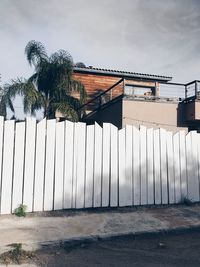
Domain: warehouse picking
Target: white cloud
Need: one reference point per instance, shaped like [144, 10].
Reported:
[154, 36]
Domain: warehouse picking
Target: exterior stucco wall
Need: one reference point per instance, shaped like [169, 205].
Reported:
[197, 110]
[152, 114]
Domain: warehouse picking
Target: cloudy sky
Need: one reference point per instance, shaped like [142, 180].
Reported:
[148, 36]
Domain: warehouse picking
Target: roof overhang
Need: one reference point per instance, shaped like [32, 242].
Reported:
[122, 74]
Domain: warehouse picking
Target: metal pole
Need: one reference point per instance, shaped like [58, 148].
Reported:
[196, 88]
[185, 91]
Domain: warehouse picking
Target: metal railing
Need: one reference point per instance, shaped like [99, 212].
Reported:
[167, 91]
[108, 95]
[184, 92]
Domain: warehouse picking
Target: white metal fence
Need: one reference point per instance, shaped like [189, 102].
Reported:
[49, 165]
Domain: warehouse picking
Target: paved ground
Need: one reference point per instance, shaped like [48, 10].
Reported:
[157, 250]
[41, 229]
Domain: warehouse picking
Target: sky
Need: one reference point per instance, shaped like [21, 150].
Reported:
[149, 36]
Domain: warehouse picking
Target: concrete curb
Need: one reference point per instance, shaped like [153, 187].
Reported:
[73, 242]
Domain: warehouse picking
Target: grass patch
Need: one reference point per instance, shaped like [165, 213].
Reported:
[16, 255]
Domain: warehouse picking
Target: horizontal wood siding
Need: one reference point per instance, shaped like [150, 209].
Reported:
[96, 84]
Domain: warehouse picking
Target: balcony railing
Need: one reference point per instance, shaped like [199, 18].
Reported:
[108, 95]
[158, 91]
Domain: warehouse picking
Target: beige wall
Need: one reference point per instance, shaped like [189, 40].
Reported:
[151, 114]
[197, 110]
[193, 110]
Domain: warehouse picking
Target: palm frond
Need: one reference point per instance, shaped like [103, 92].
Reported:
[33, 78]
[51, 87]
[35, 53]
[77, 86]
[10, 105]
[33, 100]
[62, 57]
[3, 107]
[67, 110]
[15, 87]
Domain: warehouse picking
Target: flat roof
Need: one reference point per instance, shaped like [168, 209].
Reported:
[125, 74]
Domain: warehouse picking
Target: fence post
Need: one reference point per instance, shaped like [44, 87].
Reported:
[136, 167]
[29, 163]
[150, 180]
[18, 172]
[106, 165]
[49, 164]
[89, 178]
[8, 145]
[114, 163]
[80, 187]
[39, 166]
[97, 165]
[170, 167]
[143, 164]
[68, 169]
[157, 181]
[163, 158]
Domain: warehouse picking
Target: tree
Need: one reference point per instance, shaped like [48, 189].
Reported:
[51, 87]
[4, 102]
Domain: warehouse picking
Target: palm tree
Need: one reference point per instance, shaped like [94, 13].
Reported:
[51, 87]
[4, 102]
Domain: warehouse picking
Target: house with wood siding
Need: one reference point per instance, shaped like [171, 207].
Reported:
[122, 97]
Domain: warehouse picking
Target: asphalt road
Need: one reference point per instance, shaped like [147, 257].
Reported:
[160, 250]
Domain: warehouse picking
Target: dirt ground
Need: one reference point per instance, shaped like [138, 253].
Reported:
[159, 250]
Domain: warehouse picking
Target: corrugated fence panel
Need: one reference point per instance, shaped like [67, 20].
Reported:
[89, 179]
[68, 165]
[8, 152]
[170, 167]
[39, 166]
[18, 174]
[80, 191]
[59, 166]
[114, 166]
[150, 181]
[106, 165]
[143, 164]
[157, 171]
[50, 165]
[97, 165]
[136, 167]
[29, 163]
[163, 162]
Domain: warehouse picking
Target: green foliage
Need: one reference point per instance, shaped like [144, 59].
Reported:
[51, 87]
[186, 201]
[20, 211]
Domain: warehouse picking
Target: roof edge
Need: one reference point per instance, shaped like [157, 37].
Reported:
[123, 74]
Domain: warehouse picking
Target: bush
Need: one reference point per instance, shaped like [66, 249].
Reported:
[21, 211]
